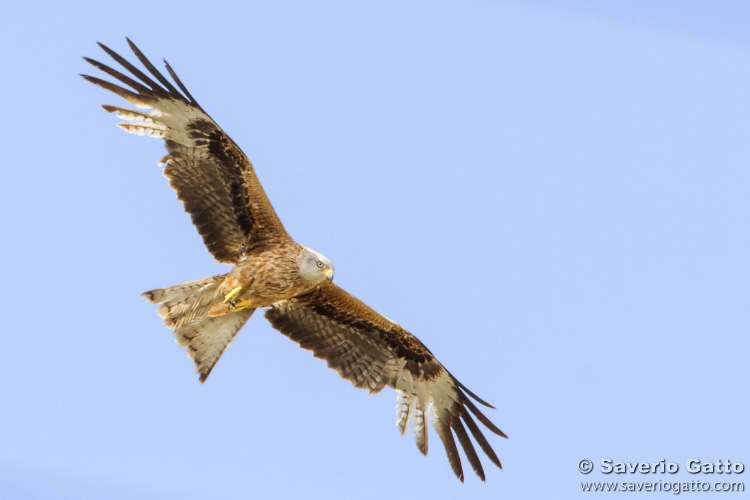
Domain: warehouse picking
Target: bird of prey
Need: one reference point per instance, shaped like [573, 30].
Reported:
[219, 189]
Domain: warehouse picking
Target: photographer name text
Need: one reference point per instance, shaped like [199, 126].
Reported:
[693, 466]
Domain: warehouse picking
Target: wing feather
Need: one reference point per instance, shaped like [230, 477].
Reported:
[179, 83]
[210, 173]
[479, 438]
[138, 100]
[371, 352]
[444, 432]
[403, 409]
[116, 74]
[150, 67]
[466, 444]
[126, 64]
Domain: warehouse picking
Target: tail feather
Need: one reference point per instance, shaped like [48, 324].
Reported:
[183, 303]
[206, 338]
[186, 310]
[181, 292]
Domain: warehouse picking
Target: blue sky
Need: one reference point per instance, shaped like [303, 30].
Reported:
[553, 196]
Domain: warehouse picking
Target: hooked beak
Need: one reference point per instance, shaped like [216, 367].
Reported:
[329, 274]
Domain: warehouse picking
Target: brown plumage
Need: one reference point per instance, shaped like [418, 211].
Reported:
[219, 189]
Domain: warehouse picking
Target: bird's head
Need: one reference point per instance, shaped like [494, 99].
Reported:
[314, 266]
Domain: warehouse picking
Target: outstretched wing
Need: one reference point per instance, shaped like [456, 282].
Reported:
[211, 174]
[371, 352]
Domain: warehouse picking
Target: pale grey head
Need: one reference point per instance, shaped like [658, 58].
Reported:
[314, 266]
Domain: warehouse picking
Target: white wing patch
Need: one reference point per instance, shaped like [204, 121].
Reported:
[168, 118]
[139, 123]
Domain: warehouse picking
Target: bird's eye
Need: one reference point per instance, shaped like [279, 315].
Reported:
[320, 264]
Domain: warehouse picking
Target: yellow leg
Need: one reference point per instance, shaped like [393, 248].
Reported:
[230, 304]
[242, 304]
[232, 296]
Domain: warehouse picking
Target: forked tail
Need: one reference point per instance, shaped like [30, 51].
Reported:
[186, 310]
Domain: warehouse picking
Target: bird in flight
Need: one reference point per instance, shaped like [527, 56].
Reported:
[293, 283]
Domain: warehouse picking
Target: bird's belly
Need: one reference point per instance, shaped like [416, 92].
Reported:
[262, 285]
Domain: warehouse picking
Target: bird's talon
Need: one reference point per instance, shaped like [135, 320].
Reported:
[231, 297]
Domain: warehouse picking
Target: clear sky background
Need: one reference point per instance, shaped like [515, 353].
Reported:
[552, 195]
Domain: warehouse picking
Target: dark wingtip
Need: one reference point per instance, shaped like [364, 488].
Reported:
[180, 84]
[486, 421]
[479, 437]
[104, 48]
[474, 396]
[471, 454]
